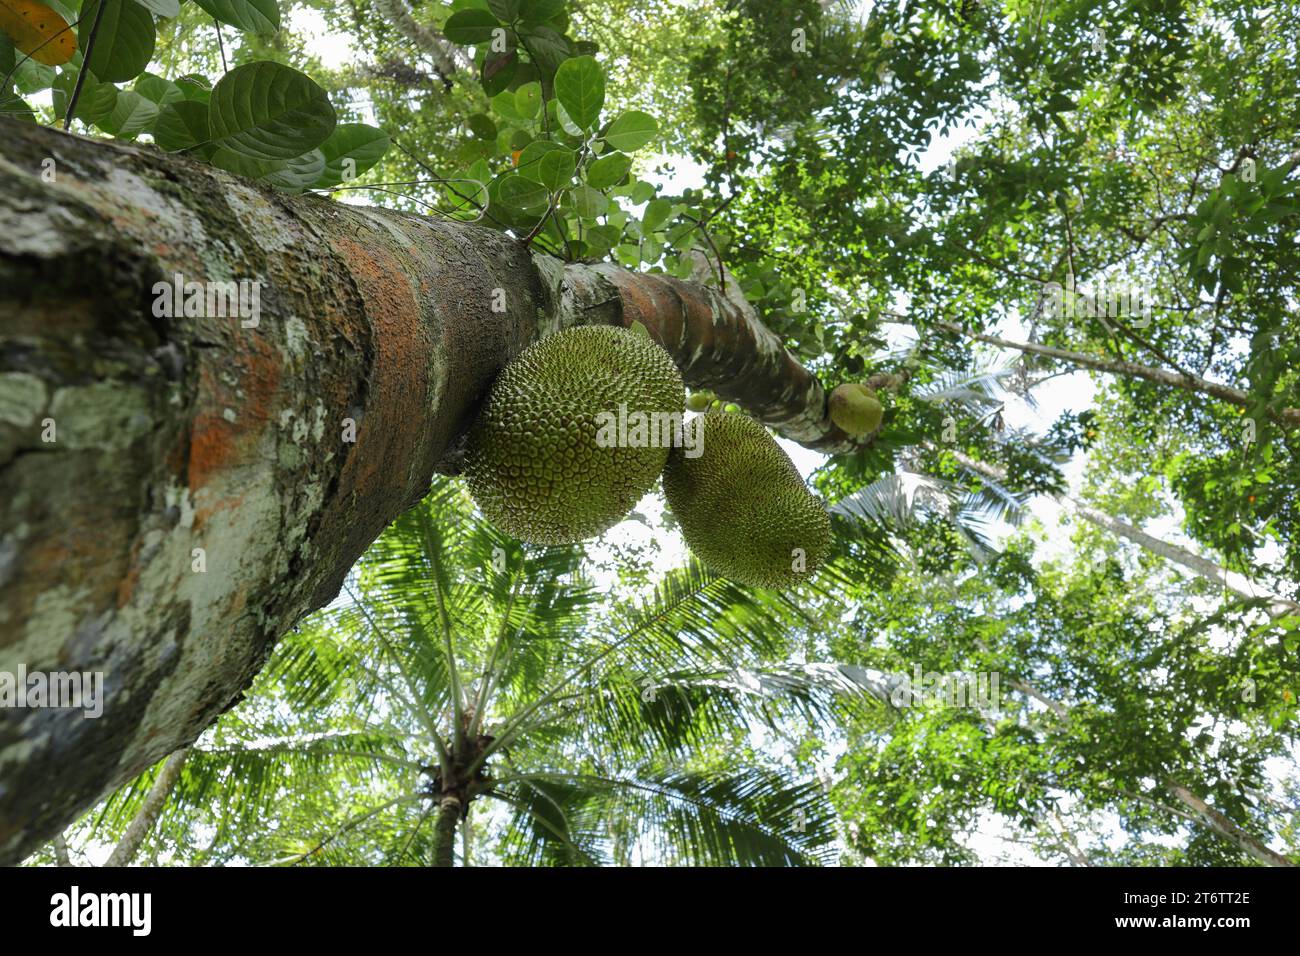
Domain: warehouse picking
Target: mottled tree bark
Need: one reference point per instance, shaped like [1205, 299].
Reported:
[177, 491]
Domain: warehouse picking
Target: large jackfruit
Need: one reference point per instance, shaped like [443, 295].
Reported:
[743, 508]
[538, 463]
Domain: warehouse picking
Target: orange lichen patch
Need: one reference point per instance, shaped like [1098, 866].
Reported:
[388, 439]
[212, 445]
[261, 368]
[217, 443]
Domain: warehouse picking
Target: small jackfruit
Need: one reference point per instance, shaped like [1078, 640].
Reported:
[743, 507]
[540, 462]
[855, 409]
[699, 401]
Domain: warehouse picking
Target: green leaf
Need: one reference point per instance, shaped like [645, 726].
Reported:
[132, 114]
[181, 125]
[1060, 103]
[251, 16]
[530, 157]
[642, 191]
[164, 8]
[588, 203]
[16, 108]
[580, 88]
[520, 193]
[194, 86]
[481, 125]
[505, 10]
[631, 130]
[566, 123]
[247, 166]
[158, 90]
[299, 172]
[94, 104]
[124, 41]
[267, 111]
[608, 170]
[656, 214]
[546, 47]
[602, 238]
[528, 100]
[470, 27]
[504, 104]
[536, 11]
[499, 71]
[350, 150]
[32, 76]
[555, 168]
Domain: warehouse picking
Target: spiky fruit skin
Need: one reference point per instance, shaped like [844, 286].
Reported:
[743, 507]
[533, 461]
[855, 409]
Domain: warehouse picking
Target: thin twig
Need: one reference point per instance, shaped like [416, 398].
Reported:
[85, 65]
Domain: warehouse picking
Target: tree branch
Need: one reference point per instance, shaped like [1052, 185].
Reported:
[147, 815]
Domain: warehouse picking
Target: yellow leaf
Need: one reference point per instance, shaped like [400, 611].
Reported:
[38, 30]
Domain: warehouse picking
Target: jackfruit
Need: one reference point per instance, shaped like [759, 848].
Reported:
[546, 460]
[699, 401]
[742, 506]
[855, 409]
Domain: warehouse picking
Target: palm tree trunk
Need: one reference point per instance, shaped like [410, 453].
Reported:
[444, 850]
[147, 816]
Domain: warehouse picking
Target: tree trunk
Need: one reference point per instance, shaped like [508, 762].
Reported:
[1287, 417]
[1202, 567]
[143, 821]
[1226, 828]
[444, 850]
[177, 490]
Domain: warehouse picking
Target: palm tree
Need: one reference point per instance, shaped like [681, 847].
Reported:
[459, 670]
